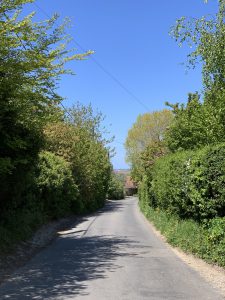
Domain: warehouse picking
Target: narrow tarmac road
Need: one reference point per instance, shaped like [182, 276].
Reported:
[110, 255]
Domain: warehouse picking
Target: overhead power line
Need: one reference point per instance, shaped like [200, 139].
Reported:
[107, 72]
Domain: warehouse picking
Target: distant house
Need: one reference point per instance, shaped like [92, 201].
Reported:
[130, 187]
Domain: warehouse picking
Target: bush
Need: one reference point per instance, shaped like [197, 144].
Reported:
[55, 185]
[19, 149]
[50, 194]
[190, 184]
[170, 183]
[116, 188]
[88, 159]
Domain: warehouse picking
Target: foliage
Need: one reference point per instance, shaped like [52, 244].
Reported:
[206, 240]
[116, 188]
[19, 228]
[148, 157]
[51, 193]
[122, 177]
[189, 184]
[56, 189]
[84, 117]
[32, 58]
[144, 192]
[45, 156]
[202, 123]
[148, 130]
[197, 123]
[183, 193]
[80, 142]
[189, 126]
[206, 36]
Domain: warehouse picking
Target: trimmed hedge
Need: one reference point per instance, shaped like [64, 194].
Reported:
[190, 184]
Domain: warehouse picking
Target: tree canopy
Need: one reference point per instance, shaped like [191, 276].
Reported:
[201, 122]
[149, 129]
[206, 36]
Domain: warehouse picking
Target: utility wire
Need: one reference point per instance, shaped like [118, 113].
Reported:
[107, 72]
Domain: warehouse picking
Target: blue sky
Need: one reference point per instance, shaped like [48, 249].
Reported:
[131, 41]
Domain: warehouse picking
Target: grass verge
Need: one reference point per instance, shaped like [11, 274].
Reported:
[206, 241]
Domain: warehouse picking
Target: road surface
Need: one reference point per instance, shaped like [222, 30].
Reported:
[109, 255]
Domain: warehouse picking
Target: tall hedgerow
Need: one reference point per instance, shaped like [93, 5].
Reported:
[190, 184]
[32, 58]
[81, 142]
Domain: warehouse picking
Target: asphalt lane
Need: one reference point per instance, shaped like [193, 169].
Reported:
[112, 254]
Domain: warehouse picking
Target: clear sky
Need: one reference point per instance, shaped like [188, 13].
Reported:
[131, 42]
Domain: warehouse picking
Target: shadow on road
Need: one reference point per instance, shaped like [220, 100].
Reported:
[65, 268]
[110, 206]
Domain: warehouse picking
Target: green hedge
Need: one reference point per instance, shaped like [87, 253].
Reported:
[184, 196]
[190, 184]
[88, 159]
[56, 189]
[50, 193]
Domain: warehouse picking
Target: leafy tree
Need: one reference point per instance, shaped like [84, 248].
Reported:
[46, 158]
[196, 124]
[149, 128]
[206, 36]
[152, 152]
[84, 117]
[189, 127]
[80, 142]
[32, 58]
[202, 123]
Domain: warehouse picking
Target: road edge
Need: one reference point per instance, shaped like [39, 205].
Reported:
[213, 274]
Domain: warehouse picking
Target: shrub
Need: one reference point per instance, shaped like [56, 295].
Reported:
[55, 185]
[88, 159]
[51, 193]
[170, 183]
[116, 188]
[31, 65]
[190, 184]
